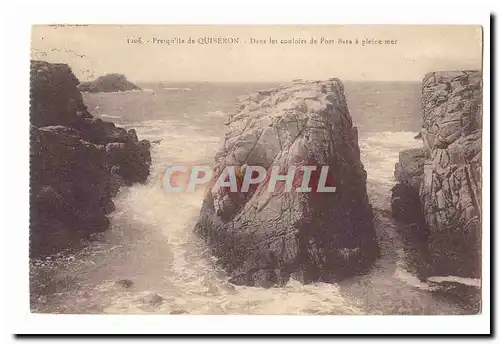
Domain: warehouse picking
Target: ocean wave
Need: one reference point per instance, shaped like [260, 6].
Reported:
[115, 92]
[379, 154]
[408, 278]
[109, 116]
[217, 113]
[471, 282]
[176, 88]
[152, 243]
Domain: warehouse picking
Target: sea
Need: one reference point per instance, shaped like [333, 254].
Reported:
[170, 271]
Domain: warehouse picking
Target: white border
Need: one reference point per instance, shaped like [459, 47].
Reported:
[15, 157]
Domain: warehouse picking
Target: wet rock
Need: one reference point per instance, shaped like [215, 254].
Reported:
[464, 291]
[132, 135]
[260, 238]
[153, 300]
[405, 204]
[74, 174]
[125, 283]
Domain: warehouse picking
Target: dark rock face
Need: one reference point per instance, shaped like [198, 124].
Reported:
[153, 300]
[410, 168]
[405, 204]
[446, 175]
[108, 83]
[125, 283]
[405, 199]
[78, 163]
[263, 238]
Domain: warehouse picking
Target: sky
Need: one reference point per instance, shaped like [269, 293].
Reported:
[95, 50]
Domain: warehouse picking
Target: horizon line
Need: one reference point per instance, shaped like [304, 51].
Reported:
[261, 81]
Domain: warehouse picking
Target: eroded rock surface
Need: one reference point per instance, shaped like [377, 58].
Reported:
[446, 175]
[263, 238]
[77, 162]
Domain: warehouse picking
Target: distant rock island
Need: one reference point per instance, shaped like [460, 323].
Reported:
[108, 83]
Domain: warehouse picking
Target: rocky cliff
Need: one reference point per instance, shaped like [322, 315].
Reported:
[108, 83]
[77, 162]
[263, 238]
[439, 186]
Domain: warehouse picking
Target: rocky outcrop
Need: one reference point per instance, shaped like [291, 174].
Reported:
[108, 83]
[405, 200]
[263, 238]
[410, 168]
[77, 162]
[445, 177]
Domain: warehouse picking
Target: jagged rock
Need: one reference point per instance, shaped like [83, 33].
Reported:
[78, 163]
[57, 86]
[125, 283]
[405, 204]
[465, 291]
[108, 83]
[153, 300]
[405, 200]
[263, 238]
[410, 168]
[451, 188]
[450, 180]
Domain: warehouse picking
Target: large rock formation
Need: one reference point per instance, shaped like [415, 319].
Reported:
[108, 83]
[77, 162]
[441, 184]
[263, 238]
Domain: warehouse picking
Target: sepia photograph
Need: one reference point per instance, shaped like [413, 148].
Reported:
[310, 170]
